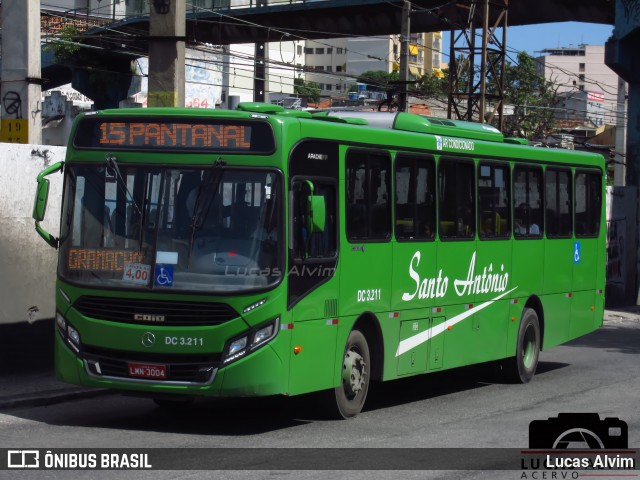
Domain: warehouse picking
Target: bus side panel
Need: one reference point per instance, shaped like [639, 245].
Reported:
[413, 295]
[558, 277]
[527, 275]
[557, 308]
[312, 368]
[584, 286]
[491, 324]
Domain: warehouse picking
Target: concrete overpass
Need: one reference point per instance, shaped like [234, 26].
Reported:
[315, 19]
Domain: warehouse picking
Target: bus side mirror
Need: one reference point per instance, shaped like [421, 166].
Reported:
[40, 204]
[316, 212]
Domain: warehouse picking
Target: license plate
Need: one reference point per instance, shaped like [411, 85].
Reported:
[146, 370]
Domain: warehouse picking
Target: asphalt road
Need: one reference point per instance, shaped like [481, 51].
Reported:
[464, 408]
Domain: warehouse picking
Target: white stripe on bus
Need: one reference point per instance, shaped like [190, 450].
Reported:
[412, 342]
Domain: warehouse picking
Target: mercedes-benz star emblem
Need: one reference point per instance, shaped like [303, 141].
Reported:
[148, 339]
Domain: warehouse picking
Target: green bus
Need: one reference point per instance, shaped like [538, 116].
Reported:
[265, 251]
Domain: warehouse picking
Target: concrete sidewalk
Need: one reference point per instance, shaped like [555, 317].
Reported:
[26, 363]
[26, 367]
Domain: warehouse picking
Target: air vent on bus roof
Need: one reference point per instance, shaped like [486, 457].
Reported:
[439, 121]
[447, 128]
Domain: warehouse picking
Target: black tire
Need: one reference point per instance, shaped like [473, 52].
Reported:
[522, 367]
[356, 363]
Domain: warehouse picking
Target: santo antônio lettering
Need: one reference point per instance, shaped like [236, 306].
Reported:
[187, 135]
[486, 281]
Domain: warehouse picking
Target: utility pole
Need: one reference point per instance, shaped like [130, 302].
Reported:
[167, 29]
[260, 72]
[21, 72]
[405, 34]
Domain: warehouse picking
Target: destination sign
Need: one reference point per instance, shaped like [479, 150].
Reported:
[173, 134]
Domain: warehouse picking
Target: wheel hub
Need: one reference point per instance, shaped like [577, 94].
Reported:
[353, 373]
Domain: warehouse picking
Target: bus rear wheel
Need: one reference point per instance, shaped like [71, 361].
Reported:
[522, 367]
[356, 363]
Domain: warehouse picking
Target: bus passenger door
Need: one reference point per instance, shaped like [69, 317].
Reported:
[313, 285]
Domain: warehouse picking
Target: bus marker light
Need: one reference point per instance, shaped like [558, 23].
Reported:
[469, 306]
[514, 301]
[449, 327]
[286, 326]
[333, 321]
[569, 295]
[593, 308]
[436, 310]
[297, 349]
[393, 314]
[599, 292]
[513, 319]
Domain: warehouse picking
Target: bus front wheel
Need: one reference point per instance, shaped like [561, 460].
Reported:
[356, 365]
[522, 367]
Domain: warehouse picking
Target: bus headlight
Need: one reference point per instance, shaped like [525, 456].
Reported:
[68, 333]
[238, 347]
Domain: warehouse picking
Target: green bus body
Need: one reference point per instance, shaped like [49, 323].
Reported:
[423, 301]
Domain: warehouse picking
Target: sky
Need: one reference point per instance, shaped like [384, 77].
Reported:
[533, 38]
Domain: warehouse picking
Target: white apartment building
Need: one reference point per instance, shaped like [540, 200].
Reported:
[335, 64]
[582, 69]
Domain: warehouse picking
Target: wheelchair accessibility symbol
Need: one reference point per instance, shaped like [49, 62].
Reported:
[576, 252]
[164, 275]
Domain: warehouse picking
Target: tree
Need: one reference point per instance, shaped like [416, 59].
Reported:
[65, 47]
[310, 90]
[378, 80]
[533, 99]
[433, 85]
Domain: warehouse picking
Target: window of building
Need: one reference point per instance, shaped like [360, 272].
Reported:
[456, 199]
[299, 49]
[329, 51]
[557, 187]
[368, 186]
[339, 50]
[494, 218]
[319, 51]
[338, 68]
[588, 203]
[415, 205]
[328, 87]
[581, 67]
[527, 202]
[328, 69]
[308, 51]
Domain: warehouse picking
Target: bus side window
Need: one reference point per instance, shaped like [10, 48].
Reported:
[527, 202]
[318, 244]
[368, 185]
[414, 199]
[456, 199]
[493, 201]
[558, 216]
[588, 203]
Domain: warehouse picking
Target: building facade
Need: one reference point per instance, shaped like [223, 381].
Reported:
[575, 70]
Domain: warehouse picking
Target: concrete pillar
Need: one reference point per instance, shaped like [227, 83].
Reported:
[167, 28]
[21, 82]
[620, 55]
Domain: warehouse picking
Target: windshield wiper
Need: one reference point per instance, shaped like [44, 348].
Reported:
[206, 193]
[111, 162]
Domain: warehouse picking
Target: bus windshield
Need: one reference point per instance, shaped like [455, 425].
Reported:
[211, 229]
